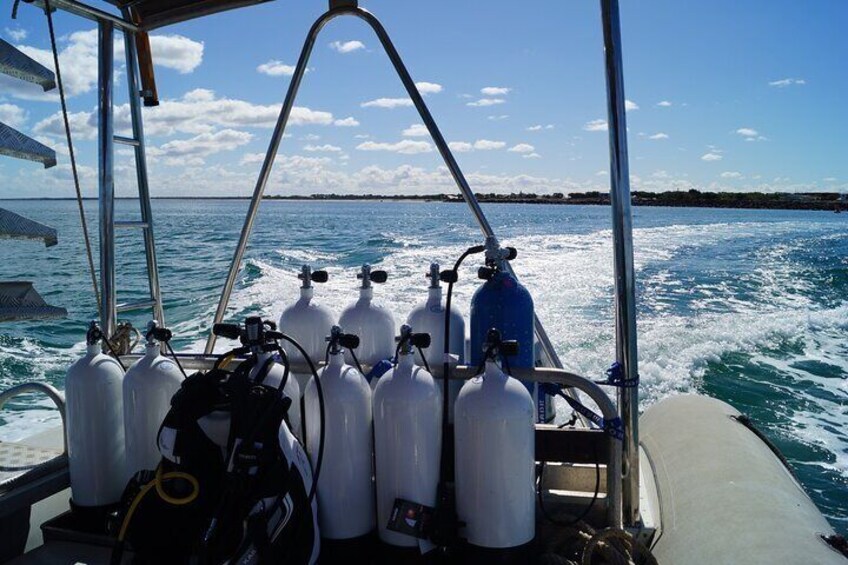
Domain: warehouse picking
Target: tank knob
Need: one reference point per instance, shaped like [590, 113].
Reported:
[485, 273]
[495, 344]
[155, 333]
[367, 276]
[339, 339]
[229, 331]
[308, 276]
[407, 340]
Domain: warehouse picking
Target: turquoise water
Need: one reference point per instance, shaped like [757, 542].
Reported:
[748, 306]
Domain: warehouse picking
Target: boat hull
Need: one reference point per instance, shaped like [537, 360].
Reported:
[724, 496]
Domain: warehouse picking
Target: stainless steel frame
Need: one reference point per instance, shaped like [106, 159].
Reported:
[105, 153]
[625, 277]
[279, 130]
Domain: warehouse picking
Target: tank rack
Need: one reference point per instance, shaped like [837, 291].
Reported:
[570, 446]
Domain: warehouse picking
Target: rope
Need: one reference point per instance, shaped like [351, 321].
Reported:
[48, 11]
[124, 340]
[581, 544]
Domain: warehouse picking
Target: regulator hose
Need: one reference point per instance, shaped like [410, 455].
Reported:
[156, 484]
[445, 520]
[322, 416]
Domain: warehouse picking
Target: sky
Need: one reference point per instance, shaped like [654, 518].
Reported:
[722, 95]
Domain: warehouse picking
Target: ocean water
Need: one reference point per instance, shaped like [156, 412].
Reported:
[749, 306]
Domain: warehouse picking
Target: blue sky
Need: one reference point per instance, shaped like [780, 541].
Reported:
[724, 96]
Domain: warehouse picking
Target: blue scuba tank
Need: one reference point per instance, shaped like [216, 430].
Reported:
[504, 304]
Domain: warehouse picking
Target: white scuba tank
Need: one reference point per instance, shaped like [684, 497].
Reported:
[495, 460]
[407, 440]
[148, 387]
[95, 426]
[371, 321]
[429, 317]
[345, 485]
[308, 322]
[291, 389]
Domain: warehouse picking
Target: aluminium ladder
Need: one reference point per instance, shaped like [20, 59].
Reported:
[154, 300]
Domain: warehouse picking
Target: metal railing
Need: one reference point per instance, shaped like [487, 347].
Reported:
[625, 277]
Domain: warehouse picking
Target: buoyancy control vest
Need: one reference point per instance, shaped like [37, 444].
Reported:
[249, 500]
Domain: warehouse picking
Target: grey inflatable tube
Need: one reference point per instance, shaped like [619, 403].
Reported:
[724, 496]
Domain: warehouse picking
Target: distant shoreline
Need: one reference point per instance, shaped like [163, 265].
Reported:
[823, 201]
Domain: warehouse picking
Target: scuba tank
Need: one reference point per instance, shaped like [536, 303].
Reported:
[345, 486]
[148, 387]
[495, 460]
[307, 322]
[429, 318]
[371, 321]
[504, 304]
[95, 426]
[407, 437]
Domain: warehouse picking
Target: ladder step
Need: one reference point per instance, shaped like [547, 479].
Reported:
[136, 225]
[126, 141]
[128, 306]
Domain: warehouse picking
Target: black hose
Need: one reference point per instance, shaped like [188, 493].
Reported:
[586, 510]
[356, 362]
[320, 459]
[176, 359]
[446, 522]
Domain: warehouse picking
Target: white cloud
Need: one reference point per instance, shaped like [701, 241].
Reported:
[533, 155]
[731, 175]
[711, 156]
[488, 144]
[387, 103]
[829, 179]
[12, 115]
[659, 135]
[428, 87]
[495, 91]
[416, 130]
[486, 102]
[630, 105]
[522, 148]
[202, 145]
[784, 82]
[78, 60]
[539, 127]
[498, 118]
[198, 111]
[596, 125]
[326, 148]
[405, 146]
[18, 34]
[348, 122]
[601, 173]
[176, 52]
[460, 146]
[347, 46]
[747, 132]
[276, 68]
[664, 104]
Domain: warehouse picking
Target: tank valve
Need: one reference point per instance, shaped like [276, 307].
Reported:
[154, 333]
[367, 276]
[308, 276]
[497, 255]
[339, 340]
[495, 345]
[408, 341]
[434, 275]
[94, 333]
